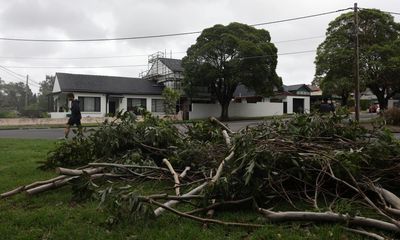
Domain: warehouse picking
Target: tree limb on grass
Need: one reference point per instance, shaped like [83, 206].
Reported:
[327, 217]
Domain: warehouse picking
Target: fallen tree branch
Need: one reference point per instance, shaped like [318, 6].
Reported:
[327, 217]
[389, 197]
[170, 203]
[185, 171]
[63, 182]
[166, 196]
[365, 233]
[213, 119]
[76, 172]
[196, 190]
[203, 220]
[128, 166]
[174, 175]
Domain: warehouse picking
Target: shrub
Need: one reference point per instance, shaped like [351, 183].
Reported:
[8, 114]
[392, 116]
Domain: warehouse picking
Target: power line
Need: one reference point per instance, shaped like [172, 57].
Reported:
[299, 39]
[143, 65]
[279, 54]
[12, 73]
[302, 17]
[112, 66]
[394, 13]
[162, 35]
[72, 58]
[137, 55]
[18, 76]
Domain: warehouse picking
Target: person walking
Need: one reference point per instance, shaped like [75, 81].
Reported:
[75, 117]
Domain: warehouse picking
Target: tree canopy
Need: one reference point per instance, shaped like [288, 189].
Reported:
[224, 57]
[13, 94]
[46, 87]
[335, 59]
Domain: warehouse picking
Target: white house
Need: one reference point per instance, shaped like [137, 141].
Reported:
[103, 95]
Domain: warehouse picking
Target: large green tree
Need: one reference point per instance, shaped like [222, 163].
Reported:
[335, 59]
[225, 56]
[13, 95]
[46, 87]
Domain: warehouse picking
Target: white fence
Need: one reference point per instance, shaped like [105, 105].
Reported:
[259, 109]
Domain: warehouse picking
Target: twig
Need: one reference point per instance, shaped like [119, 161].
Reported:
[215, 205]
[365, 233]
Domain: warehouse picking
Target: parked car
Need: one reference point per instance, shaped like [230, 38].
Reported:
[374, 108]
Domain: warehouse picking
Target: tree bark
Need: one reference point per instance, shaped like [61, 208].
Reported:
[328, 217]
[224, 111]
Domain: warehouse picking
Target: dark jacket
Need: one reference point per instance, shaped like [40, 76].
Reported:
[75, 109]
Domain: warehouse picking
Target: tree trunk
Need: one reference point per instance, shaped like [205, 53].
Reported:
[224, 111]
[345, 98]
[382, 100]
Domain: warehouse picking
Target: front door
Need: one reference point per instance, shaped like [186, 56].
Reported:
[111, 106]
[298, 105]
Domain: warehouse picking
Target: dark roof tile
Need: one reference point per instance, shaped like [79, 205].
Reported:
[174, 64]
[107, 84]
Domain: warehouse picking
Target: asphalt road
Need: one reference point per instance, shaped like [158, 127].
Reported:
[58, 133]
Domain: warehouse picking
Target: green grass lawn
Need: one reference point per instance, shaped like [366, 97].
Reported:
[53, 215]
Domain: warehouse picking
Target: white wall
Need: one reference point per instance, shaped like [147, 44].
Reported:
[289, 100]
[56, 86]
[259, 109]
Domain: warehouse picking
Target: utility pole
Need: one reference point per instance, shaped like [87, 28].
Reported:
[357, 65]
[26, 91]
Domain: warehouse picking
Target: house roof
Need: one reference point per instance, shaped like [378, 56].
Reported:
[107, 84]
[313, 88]
[174, 64]
[289, 88]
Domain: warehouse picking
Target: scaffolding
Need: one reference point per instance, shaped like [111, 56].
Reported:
[160, 72]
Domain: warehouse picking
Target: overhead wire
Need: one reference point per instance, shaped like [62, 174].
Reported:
[163, 35]
[143, 65]
[138, 55]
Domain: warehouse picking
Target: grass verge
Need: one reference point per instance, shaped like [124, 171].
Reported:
[53, 215]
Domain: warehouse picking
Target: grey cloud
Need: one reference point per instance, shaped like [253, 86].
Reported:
[121, 18]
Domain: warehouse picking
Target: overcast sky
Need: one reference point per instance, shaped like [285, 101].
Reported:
[83, 19]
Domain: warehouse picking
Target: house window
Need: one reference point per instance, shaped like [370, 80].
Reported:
[157, 105]
[136, 102]
[89, 104]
